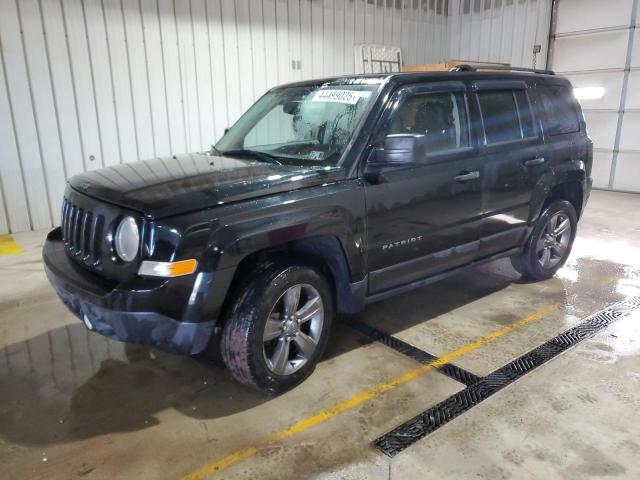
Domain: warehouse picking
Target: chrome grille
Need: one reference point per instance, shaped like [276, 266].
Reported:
[82, 232]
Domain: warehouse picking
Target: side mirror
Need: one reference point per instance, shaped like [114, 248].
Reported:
[398, 149]
[401, 149]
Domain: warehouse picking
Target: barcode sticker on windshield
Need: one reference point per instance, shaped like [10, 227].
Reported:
[339, 96]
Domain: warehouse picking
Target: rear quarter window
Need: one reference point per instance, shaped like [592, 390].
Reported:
[557, 110]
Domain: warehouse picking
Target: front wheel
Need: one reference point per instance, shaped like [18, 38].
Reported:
[549, 245]
[277, 328]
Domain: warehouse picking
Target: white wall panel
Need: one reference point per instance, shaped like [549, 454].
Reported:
[4, 221]
[630, 133]
[103, 76]
[633, 90]
[627, 172]
[591, 52]
[602, 128]
[282, 42]
[20, 118]
[62, 86]
[155, 78]
[328, 37]
[134, 36]
[595, 14]
[635, 56]
[218, 66]
[44, 108]
[204, 83]
[293, 38]
[601, 169]
[189, 76]
[173, 75]
[120, 71]
[81, 73]
[15, 212]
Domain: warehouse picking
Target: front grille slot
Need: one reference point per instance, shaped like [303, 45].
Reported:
[82, 232]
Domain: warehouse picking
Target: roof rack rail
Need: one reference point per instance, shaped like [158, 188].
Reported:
[464, 67]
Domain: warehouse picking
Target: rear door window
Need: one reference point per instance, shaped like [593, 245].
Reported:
[500, 116]
[506, 115]
[557, 110]
[525, 114]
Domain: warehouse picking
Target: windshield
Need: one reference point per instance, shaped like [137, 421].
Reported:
[310, 124]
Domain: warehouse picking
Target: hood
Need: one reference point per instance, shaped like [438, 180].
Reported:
[173, 185]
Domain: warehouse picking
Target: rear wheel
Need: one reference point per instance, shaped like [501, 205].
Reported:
[277, 328]
[549, 245]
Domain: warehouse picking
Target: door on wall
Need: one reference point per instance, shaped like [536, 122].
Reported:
[600, 54]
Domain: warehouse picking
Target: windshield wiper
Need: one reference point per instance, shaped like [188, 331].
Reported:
[265, 157]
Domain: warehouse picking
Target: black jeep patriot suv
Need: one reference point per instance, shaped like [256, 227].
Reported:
[324, 196]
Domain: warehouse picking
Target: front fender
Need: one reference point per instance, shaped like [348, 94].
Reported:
[221, 238]
[235, 242]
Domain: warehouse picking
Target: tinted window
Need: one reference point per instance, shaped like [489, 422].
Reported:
[524, 111]
[301, 124]
[440, 117]
[557, 110]
[500, 116]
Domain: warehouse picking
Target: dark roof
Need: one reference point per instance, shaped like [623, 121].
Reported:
[412, 77]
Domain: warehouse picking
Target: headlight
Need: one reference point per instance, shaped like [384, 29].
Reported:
[127, 239]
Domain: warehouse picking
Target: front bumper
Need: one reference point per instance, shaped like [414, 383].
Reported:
[123, 312]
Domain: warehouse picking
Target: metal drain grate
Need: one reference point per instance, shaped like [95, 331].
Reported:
[435, 417]
[448, 369]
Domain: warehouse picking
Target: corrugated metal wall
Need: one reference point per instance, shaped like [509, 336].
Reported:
[91, 83]
[602, 49]
[500, 31]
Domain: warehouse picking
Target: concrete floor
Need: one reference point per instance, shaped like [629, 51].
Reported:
[73, 404]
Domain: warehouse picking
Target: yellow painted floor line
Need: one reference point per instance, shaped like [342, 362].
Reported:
[361, 397]
[8, 246]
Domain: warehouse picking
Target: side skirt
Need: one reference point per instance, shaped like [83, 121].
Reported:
[437, 277]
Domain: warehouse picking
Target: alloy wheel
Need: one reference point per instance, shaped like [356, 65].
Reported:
[553, 243]
[293, 329]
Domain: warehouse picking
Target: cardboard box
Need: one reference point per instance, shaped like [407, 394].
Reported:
[448, 64]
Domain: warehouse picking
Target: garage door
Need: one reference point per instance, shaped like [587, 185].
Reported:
[600, 54]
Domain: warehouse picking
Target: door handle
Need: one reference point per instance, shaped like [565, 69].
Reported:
[533, 162]
[466, 176]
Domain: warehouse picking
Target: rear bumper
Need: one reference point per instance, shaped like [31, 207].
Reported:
[123, 312]
[586, 191]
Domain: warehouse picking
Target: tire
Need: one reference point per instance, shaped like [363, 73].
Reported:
[261, 347]
[546, 250]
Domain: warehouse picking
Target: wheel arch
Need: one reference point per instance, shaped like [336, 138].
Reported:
[569, 188]
[325, 253]
[571, 191]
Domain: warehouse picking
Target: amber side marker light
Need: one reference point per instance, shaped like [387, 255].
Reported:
[167, 269]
